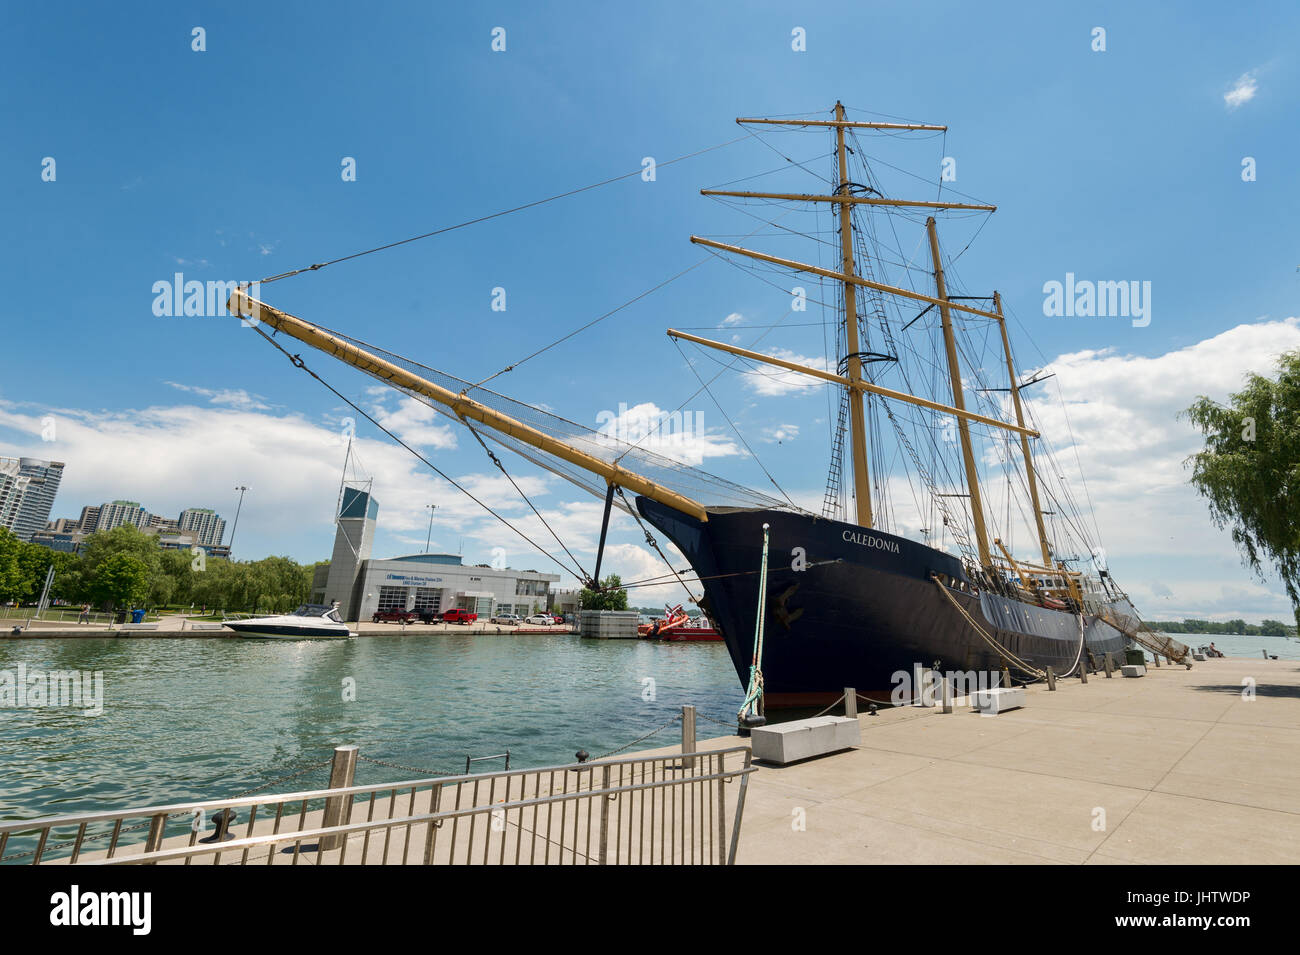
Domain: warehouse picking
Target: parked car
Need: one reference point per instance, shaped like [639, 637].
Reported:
[509, 619]
[394, 616]
[539, 620]
[456, 615]
[429, 616]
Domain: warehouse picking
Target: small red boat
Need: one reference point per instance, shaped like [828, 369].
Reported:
[678, 627]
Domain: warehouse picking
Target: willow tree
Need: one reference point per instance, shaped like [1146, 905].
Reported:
[1249, 471]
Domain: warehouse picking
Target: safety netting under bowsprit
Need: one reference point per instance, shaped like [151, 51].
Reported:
[685, 479]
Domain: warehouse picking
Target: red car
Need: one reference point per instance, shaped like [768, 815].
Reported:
[394, 616]
[456, 615]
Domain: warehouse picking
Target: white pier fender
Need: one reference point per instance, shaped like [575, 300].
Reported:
[785, 743]
[998, 700]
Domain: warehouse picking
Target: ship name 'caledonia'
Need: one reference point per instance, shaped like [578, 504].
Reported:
[866, 540]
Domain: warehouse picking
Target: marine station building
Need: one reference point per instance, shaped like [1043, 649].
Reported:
[421, 582]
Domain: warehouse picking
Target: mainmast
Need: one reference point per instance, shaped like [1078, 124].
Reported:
[857, 419]
[959, 401]
[1030, 477]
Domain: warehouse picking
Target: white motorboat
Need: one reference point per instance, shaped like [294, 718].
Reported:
[308, 622]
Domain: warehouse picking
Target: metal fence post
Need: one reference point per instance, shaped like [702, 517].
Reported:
[688, 735]
[851, 702]
[157, 826]
[338, 809]
[604, 816]
[1051, 679]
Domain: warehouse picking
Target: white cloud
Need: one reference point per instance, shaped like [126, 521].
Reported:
[415, 422]
[735, 318]
[1243, 91]
[229, 397]
[781, 433]
[169, 458]
[682, 435]
[1123, 411]
[769, 380]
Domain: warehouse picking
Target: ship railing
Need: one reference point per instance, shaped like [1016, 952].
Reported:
[662, 809]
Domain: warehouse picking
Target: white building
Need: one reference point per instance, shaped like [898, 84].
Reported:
[421, 582]
[35, 483]
[116, 513]
[12, 485]
[208, 526]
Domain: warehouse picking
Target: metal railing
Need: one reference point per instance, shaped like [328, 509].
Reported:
[664, 809]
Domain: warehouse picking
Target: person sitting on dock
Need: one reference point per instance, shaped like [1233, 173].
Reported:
[1214, 651]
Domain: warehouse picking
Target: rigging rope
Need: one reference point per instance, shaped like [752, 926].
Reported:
[494, 215]
[650, 539]
[755, 691]
[583, 575]
[297, 362]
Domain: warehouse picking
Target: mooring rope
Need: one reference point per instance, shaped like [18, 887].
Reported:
[1002, 651]
[755, 689]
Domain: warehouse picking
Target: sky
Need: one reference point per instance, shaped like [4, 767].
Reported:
[129, 156]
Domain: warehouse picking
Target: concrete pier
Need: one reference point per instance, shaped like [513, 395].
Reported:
[1178, 768]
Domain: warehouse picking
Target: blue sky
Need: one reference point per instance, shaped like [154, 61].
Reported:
[225, 164]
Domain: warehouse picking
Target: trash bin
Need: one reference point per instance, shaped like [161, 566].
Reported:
[120, 617]
[1134, 656]
[137, 616]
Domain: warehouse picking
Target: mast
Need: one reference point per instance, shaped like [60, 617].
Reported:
[1030, 477]
[959, 401]
[857, 420]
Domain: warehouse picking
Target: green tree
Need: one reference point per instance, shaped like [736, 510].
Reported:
[611, 595]
[1249, 471]
[121, 580]
[13, 585]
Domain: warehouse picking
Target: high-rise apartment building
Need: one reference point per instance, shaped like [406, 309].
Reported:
[35, 498]
[206, 523]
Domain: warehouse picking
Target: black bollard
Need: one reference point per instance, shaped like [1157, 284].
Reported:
[221, 823]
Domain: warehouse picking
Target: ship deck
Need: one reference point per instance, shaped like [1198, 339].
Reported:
[1185, 770]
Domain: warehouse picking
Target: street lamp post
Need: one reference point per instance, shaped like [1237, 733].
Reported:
[429, 536]
[241, 489]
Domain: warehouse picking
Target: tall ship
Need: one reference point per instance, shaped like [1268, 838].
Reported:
[939, 470]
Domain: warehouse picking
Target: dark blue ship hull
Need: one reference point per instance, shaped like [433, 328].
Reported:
[864, 608]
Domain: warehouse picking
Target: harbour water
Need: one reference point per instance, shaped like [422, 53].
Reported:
[196, 718]
[1234, 645]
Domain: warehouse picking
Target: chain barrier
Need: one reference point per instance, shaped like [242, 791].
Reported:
[641, 739]
[408, 769]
